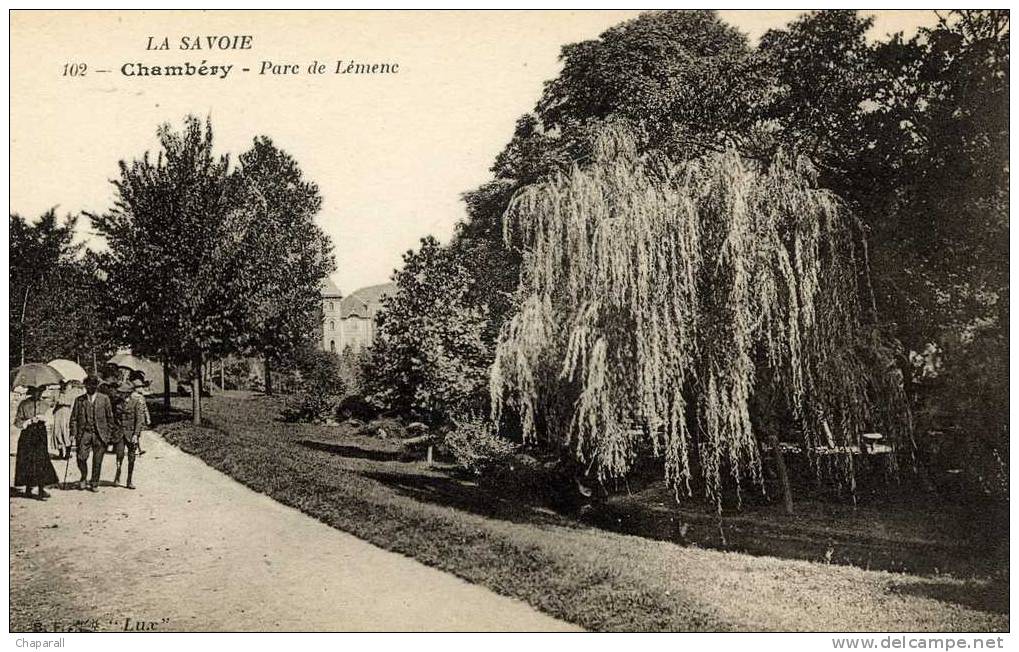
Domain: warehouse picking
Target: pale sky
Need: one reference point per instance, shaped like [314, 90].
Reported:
[391, 153]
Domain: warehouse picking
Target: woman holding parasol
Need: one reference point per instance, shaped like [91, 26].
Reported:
[32, 467]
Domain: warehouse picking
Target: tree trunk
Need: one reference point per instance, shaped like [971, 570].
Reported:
[268, 377]
[222, 374]
[783, 475]
[24, 309]
[196, 390]
[166, 384]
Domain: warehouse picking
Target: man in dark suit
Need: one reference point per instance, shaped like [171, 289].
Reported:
[92, 426]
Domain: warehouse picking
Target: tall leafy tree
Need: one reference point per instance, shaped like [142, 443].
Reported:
[175, 249]
[38, 252]
[431, 351]
[93, 332]
[681, 79]
[946, 269]
[913, 134]
[657, 298]
[288, 255]
[917, 144]
[823, 76]
[950, 216]
[54, 308]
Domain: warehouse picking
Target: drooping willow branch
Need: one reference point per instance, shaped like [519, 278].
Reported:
[658, 301]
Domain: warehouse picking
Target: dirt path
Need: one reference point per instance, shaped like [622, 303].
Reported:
[192, 549]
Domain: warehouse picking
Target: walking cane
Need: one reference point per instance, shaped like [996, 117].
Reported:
[67, 465]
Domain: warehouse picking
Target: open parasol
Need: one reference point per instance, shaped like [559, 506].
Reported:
[128, 361]
[35, 374]
[68, 370]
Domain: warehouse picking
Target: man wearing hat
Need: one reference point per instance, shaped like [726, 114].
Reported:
[130, 420]
[92, 427]
[141, 389]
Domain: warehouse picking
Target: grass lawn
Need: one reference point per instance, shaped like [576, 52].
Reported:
[598, 579]
[930, 536]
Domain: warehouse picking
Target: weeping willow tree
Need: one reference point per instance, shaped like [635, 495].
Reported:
[678, 310]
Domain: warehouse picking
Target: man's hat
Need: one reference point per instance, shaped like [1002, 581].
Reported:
[125, 387]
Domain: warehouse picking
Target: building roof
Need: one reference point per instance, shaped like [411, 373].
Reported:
[365, 302]
[329, 289]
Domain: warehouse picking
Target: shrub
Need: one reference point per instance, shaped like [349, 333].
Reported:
[476, 445]
[386, 428]
[319, 386]
[355, 407]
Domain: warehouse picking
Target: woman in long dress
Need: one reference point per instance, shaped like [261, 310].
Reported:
[60, 436]
[33, 467]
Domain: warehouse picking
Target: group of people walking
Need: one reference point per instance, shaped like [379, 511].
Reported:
[111, 415]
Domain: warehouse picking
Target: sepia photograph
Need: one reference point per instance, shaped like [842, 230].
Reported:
[677, 320]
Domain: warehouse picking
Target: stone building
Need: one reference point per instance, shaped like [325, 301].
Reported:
[350, 321]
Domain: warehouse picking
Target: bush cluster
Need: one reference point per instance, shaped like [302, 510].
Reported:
[319, 387]
[476, 445]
